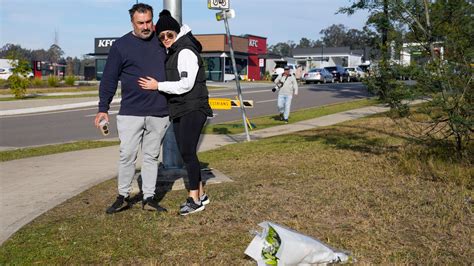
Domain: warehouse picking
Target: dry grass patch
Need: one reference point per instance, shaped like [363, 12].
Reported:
[346, 185]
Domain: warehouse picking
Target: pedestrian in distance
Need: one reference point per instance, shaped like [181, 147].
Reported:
[143, 117]
[287, 86]
[188, 100]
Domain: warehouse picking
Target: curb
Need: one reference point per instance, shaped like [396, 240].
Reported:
[52, 108]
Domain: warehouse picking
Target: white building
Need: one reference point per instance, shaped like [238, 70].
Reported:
[328, 56]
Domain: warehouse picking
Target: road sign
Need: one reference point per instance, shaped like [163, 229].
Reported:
[227, 104]
[220, 103]
[218, 4]
[247, 103]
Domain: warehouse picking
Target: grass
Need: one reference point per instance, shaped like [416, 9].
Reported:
[236, 127]
[35, 97]
[348, 185]
[52, 90]
[231, 128]
[52, 149]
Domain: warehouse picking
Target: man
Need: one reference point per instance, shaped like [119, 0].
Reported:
[286, 85]
[143, 117]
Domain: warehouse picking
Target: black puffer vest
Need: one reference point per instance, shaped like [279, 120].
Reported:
[198, 97]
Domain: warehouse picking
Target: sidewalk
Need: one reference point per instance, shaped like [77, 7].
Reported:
[32, 186]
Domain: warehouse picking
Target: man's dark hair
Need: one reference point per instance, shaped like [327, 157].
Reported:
[140, 8]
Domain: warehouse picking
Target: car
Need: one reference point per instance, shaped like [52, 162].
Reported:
[355, 73]
[5, 72]
[278, 70]
[320, 75]
[339, 73]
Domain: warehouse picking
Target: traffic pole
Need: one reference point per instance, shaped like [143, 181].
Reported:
[171, 157]
[237, 81]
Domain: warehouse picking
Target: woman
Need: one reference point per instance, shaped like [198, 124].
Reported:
[188, 100]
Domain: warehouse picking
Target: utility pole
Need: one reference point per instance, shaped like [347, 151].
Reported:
[237, 81]
[175, 8]
[171, 156]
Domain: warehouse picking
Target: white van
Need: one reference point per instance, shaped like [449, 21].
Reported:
[5, 72]
[278, 70]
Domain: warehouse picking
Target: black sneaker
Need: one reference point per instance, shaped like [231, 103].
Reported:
[120, 204]
[191, 207]
[204, 200]
[286, 121]
[281, 117]
[151, 204]
[137, 198]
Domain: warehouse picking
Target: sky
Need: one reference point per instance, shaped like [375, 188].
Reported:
[36, 24]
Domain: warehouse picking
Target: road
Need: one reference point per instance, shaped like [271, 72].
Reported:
[77, 124]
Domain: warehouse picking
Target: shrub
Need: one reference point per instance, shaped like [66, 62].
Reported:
[53, 81]
[69, 80]
[18, 85]
[19, 79]
[37, 82]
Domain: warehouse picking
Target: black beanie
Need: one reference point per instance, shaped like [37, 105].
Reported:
[166, 22]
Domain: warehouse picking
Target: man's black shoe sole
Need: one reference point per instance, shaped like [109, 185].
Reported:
[113, 210]
[147, 207]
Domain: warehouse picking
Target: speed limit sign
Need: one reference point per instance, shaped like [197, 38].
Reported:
[218, 4]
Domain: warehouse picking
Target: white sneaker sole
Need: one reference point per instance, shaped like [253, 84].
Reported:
[196, 210]
[206, 202]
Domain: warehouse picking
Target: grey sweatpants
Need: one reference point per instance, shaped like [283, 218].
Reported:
[147, 132]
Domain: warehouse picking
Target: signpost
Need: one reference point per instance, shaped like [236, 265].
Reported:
[218, 4]
[226, 14]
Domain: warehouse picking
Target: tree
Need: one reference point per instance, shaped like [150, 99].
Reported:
[445, 78]
[9, 50]
[55, 53]
[305, 43]
[282, 48]
[339, 35]
[334, 35]
[19, 79]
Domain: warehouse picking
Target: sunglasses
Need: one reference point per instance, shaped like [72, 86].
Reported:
[169, 35]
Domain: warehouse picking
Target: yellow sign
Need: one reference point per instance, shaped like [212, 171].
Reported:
[247, 103]
[220, 103]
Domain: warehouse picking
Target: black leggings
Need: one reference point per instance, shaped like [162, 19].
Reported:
[187, 130]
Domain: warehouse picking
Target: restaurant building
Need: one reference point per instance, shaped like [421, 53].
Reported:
[249, 52]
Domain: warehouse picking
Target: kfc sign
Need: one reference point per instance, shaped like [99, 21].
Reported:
[106, 43]
[253, 43]
[102, 45]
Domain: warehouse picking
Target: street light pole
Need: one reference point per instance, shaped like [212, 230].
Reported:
[322, 55]
[175, 8]
[237, 81]
[171, 156]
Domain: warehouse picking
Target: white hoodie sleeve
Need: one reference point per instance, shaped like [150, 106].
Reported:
[187, 62]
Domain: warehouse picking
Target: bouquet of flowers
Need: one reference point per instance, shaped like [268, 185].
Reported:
[280, 245]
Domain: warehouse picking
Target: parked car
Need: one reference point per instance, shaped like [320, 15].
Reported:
[278, 70]
[339, 73]
[355, 73]
[320, 75]
[5, 72]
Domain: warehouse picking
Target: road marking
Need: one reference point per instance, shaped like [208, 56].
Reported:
[233, 93]
[266, 101]
[51, 108]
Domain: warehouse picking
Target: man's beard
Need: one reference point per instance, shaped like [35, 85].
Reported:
[144, 34]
